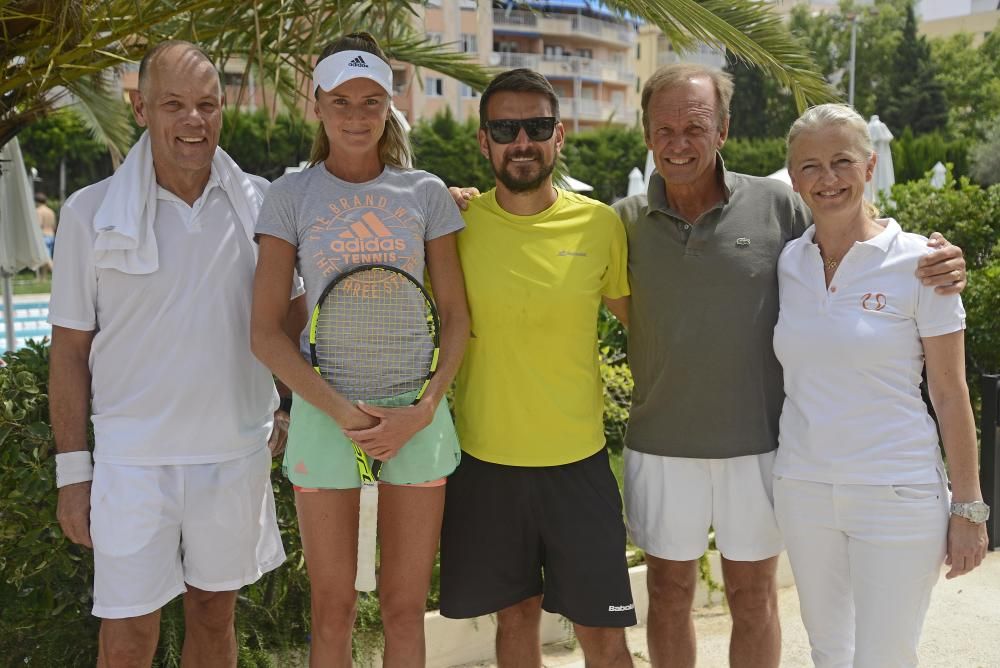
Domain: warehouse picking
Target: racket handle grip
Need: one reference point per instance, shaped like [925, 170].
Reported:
[367, 530]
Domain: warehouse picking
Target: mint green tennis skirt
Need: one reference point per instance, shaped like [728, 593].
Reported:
[319, 456]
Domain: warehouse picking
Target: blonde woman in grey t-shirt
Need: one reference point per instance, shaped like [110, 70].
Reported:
[359, 204]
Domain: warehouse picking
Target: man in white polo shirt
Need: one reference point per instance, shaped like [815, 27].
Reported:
[150, 311]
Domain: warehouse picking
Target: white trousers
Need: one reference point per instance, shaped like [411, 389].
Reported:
[865, 558]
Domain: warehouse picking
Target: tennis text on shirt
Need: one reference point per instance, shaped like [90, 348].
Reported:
[337, 225]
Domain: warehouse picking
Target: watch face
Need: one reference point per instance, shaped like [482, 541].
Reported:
[978, 512]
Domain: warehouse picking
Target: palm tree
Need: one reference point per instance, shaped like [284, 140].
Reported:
[54, 50]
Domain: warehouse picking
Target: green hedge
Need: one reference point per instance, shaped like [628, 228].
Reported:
[758, 157]
[45, 592]
[258, 145]
[913, 156]
[969, 216]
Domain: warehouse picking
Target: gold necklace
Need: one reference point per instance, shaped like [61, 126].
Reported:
[830, 264]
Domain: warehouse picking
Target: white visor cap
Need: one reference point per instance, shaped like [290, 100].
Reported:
[343, 66]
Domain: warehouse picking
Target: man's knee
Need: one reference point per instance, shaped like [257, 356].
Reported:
[671, 584]
[526, 613]
[753, 597]
[129, 642]
[603, 646]
[212, 611]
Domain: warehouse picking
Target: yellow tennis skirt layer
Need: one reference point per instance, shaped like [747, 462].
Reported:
[318, 455]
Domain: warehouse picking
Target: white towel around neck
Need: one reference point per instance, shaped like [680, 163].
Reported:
[124, 221]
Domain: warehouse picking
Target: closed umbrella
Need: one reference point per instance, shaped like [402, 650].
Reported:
[884, 176]
[781, 175]
[21, 243]
[567, 182]
[650, 168]
[636, 186]
[938, 174]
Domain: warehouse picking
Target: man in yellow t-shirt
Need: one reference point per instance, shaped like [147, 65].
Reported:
[533, 514]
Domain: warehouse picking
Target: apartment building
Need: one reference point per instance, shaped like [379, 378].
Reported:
[940, 18]
[584, 50]
[240, 88]
[785, 7]
[656, 50]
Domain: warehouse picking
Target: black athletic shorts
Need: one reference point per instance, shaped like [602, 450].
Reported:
[513, 532]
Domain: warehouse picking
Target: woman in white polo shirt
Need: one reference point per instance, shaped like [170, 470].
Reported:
[860, 491]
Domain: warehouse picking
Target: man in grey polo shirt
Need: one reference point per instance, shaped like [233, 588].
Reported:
[703, 250]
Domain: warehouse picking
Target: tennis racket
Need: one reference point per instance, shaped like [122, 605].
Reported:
[374, 337]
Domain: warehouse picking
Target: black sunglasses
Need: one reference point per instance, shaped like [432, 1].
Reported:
[506, 130]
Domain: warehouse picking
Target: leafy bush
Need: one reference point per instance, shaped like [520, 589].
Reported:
[259, 145]
[966, 214]
[982, 305]
[913, 156]
[758, 157]
[969, 216]
[62, 137]
[617, 378]
[450, 150]
[986, 156]
[603, 157]
[45, 592]
[45, 589]
[264, 147]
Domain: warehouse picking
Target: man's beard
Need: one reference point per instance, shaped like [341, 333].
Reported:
[522, 185]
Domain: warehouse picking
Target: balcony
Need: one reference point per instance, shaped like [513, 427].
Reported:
[586, 109]
[512, 61]
[570, 66]
[702, 55]
[568, 25]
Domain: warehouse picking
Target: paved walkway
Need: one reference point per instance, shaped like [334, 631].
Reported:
[962, 629]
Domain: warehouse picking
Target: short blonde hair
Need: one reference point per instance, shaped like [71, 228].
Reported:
[833, 114]
[679, 73]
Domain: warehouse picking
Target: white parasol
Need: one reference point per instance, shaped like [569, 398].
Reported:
[21, 243]
[884, 176]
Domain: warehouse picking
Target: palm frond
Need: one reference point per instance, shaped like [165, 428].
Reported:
[103, 113]
[48, 46]
[749, 29]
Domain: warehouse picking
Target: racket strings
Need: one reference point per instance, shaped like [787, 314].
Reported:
[374, 338]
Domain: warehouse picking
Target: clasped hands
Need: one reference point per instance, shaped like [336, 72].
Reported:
[382, 432]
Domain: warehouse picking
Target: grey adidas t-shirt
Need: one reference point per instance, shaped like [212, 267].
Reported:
[337, 225]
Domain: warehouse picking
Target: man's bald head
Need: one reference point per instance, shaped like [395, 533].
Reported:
[170, 51]
[179, 102]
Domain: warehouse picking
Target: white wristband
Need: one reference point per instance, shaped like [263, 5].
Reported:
[73, 467]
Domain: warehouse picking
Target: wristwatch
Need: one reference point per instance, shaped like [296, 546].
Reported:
[976, 512]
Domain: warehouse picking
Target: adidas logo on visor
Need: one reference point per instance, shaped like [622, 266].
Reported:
[358, 62]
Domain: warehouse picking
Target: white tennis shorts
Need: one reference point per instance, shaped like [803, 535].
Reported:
[671, 502]
[155, 528]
